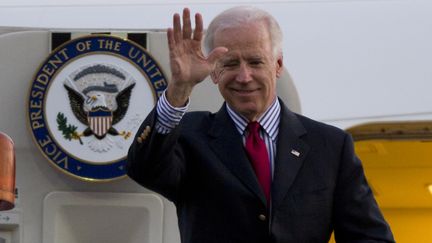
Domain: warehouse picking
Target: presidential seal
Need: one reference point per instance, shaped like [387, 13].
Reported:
[87, 100]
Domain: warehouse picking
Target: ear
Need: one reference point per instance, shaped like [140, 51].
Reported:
[213, 76]
[279, 66]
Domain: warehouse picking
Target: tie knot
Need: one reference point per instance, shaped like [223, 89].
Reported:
[253, 127]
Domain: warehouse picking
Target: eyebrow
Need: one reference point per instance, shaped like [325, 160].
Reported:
[235, 58]
[229, 59]
[255, 57]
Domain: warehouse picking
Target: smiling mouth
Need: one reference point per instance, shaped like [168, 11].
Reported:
[243, 91]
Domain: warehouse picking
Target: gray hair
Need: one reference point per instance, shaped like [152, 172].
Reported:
[238, 16]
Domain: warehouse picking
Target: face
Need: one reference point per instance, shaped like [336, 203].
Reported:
[246, 75]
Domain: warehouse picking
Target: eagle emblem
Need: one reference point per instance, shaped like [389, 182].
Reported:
[94, 112]
[97, 102]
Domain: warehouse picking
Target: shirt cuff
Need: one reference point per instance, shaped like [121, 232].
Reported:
[168, 116]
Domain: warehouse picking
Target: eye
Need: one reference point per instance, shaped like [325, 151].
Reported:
[256, 62]
[230, 64]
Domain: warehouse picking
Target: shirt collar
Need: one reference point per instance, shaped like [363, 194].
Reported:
[269, 121]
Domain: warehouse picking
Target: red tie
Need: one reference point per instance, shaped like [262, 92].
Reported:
[257, 152]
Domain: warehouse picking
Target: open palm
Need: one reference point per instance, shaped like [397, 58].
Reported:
[188, 64]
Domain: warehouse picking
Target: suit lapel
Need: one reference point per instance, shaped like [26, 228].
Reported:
[228, 145]
[291, 152]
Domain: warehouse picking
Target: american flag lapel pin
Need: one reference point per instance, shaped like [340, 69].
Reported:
[295, 152]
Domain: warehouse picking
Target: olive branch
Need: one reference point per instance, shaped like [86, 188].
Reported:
[69, 131]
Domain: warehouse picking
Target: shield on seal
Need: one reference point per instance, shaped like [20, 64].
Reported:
[100, 121]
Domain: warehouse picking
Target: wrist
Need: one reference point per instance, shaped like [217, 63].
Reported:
[178, 95]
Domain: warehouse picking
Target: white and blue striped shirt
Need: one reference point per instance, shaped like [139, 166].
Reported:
[269, 123]
[169, 117]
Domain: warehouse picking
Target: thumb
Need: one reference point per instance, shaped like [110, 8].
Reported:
[216, 54]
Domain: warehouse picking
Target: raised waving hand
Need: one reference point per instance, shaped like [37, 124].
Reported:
[188, 64]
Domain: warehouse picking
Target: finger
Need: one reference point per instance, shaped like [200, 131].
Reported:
[177, 27]
[198, 33]
[216, 54]
[170, 37]
[187, 27]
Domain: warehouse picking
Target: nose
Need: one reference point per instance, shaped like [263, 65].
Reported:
[244, 74]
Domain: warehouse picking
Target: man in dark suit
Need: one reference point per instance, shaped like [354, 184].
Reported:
[254, 172]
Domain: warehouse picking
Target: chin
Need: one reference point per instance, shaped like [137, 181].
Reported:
[248, 111]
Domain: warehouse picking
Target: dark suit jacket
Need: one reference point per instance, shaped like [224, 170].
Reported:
[202, 167]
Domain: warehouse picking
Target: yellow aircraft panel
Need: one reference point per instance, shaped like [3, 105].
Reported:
[397, 158]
